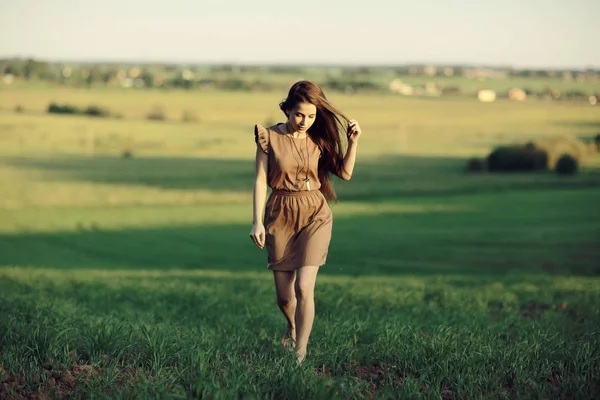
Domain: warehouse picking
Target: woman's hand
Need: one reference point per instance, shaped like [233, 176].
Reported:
[257, 234]
[354, 131]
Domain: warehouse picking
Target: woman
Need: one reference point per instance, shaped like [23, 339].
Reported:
[296, 159]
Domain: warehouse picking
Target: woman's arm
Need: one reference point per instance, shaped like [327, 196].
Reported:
[354, 133]
[259, 196]
[349, 161]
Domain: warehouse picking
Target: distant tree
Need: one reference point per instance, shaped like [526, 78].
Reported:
[90, 77]
[285, 70]
[223, 68]
[107, 77]
[148, 78]
[33, 69]
[179, 82]
[234, 84]
[13, 69]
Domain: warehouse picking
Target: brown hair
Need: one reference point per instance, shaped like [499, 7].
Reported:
[326, 131]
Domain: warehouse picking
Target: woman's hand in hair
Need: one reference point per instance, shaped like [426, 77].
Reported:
[354, 131]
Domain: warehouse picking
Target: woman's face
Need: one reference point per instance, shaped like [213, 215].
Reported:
[302, 116]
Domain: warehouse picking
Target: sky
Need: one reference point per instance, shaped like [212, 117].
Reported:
[516, 33]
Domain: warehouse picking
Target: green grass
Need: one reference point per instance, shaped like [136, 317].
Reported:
[135, 278]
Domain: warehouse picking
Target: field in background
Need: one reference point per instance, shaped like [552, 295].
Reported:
[338, 78]
[137, 273]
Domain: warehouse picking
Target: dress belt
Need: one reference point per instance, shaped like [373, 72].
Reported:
[283, 192]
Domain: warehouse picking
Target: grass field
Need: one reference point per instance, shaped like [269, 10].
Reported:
[135, 277]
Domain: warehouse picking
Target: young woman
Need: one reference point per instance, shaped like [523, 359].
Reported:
[296, 159]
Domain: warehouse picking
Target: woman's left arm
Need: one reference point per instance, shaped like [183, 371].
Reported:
[354, 133]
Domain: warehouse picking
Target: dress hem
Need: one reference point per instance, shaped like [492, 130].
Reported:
[273, 267]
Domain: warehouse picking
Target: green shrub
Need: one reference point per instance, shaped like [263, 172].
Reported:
[91, 110]
[451, 91]
[157, 113]
[189, 116]
[54, 108]
[567, 165]
[96, 111]
[556, 146]
[540, 154]
[517, 158]
[476, 165]
[234, 84]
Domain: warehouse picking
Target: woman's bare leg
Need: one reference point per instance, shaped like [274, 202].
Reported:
[305, 311]
[286, 300]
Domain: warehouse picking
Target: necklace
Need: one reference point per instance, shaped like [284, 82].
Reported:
[302, 158]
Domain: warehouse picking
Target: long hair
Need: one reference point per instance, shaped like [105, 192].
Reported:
[326, 131]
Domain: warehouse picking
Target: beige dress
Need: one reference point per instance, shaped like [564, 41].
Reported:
[297, 220]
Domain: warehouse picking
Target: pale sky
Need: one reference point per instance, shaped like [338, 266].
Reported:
[520, 33]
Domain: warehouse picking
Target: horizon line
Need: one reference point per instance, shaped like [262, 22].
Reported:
[375, 64]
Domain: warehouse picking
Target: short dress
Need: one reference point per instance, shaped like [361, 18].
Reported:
[298, 220]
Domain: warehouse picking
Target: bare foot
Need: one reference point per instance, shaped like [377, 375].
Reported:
[288, 341]
[300, 356]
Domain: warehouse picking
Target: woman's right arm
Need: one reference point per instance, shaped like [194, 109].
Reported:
[259, 196]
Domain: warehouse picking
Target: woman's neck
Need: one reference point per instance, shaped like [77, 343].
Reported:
[293, 133]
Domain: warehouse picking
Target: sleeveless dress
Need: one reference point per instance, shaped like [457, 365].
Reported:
[298, 221]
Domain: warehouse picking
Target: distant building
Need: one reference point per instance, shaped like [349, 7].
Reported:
[397, 86]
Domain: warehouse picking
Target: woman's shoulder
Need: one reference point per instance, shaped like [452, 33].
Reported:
[262, 137]
[269, 130]
[274, 127]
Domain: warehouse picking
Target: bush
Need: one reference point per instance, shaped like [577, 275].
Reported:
[91, 110]
[157, 113]
[597, 141]
[556, 146]
[344, 85]
[19, 108]
[476, 165]
[96, 111]
[576, 94]
[234, 84]
[189, 116]
[451, 91]
[540, 154]
[567, 165]
[54, 108]
[517, 158]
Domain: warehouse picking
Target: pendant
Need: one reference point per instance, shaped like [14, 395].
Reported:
[307, 183]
